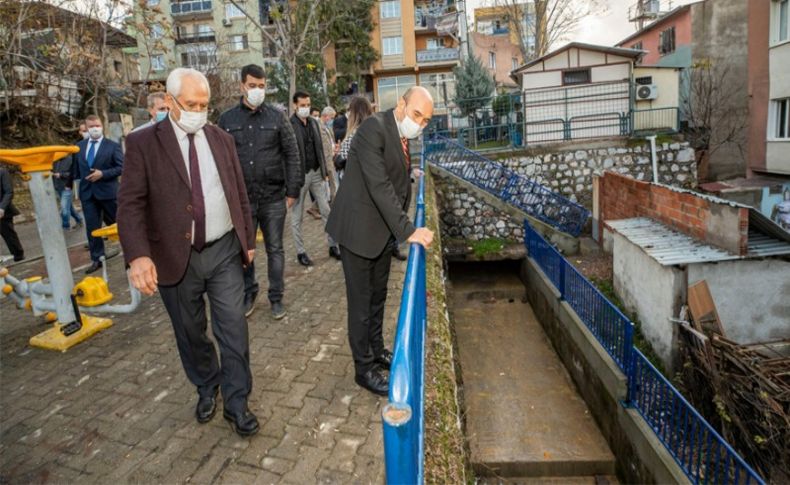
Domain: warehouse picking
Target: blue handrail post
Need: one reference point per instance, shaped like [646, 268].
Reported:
[628, 363]
[562, 264]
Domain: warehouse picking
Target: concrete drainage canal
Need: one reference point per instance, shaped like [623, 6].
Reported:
[524, 419]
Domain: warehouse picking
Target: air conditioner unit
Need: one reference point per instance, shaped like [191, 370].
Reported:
[644, 92]
[227, 22]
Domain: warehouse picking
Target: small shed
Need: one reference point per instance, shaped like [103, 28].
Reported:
[578, 91]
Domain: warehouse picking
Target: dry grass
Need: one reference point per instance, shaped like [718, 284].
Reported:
[446, 457]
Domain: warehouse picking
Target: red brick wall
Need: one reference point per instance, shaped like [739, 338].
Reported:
[718, 224]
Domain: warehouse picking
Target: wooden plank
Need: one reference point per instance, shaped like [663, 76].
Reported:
[703, 310]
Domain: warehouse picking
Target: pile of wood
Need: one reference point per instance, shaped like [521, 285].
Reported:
[743, 390]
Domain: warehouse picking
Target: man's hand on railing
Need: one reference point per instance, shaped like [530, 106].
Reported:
[422, 236]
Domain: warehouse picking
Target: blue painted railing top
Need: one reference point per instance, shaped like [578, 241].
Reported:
[701, 452]
[515, 189]
[403, 415]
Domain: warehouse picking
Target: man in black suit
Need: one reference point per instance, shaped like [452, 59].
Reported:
[97, 166]
[7, 213]
[368, 216]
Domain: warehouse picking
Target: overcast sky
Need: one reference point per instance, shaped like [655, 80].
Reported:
[606, 29]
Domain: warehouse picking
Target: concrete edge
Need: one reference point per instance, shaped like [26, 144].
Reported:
[650, 450]
[567, 244]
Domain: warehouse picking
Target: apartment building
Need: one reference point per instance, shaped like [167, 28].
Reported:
[513, 20]
[213, 36]
[419, 44]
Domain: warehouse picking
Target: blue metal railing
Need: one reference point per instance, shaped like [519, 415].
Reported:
[403, 418]
[509, 186]
[702, 454]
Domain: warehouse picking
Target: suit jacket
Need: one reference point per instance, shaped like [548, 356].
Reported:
[371, 204]
[7, 195]
[319, 149]
[108, 159]
[154, 203]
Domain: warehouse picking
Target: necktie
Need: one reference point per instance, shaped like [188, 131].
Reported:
[198, 204]
[405, 143]
[92, 153]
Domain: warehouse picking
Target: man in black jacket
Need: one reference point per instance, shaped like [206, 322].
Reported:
[368, 216]
[311, 153]
[7, 213]
[269, 159]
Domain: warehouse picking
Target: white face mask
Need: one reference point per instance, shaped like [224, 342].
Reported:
[409, 128]
[191, 121]
[303, 112]
[256, 96]
[95, 132]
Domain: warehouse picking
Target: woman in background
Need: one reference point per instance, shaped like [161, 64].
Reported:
[358, 110]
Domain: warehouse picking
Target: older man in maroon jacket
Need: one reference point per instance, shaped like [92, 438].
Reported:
[185, 227]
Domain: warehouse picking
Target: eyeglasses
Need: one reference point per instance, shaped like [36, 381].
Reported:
[181, 107]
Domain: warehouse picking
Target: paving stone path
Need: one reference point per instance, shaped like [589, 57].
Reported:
[119, 409]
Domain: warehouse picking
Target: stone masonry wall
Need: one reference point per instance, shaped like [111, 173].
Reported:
[466, 216]
[570, 171]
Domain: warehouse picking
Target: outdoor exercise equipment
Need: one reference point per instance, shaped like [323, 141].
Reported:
[59, 300]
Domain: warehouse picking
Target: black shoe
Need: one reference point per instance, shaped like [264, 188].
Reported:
[384, 359]
[244, 423]
[95, 266]
[19, 257]
[278, 310]
[334, 252]
[206, 408]
[249, 303]
[398, 255]
[303, 259]
[374, 382]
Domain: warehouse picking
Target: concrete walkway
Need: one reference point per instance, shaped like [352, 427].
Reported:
[524, 418]
[119, 409]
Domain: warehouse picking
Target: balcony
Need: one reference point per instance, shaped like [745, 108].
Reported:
[193, 8]
[434, 56]
[424, 22]
[500, 31]
[195, 38]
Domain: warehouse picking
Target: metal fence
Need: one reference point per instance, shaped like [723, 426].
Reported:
[509, 186]
[702, 454]
[558, 114]
[403, 418]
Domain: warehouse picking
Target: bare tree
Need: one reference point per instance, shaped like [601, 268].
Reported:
[715, 120]
[152, 28]
[541, 24]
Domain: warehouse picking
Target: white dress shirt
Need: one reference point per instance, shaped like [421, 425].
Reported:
[218, 221]
[95, 147]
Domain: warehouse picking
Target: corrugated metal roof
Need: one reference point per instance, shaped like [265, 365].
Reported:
[666, 246]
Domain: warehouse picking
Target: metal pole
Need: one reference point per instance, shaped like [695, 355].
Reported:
[652, 139]
[54, 245]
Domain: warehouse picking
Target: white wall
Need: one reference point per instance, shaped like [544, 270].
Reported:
[616, 72]
[779, 66]
[752, 297]
[654, 292]
[668, 82]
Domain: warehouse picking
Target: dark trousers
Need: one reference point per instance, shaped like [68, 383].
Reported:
[95, 211]
[366, 292]
[270, 217]
[217, 273]
[10, 237]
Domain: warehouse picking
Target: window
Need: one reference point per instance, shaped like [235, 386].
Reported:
[158, 62]
[783, 12]
[152, 3]
[157, 31]
[390, 10]
[666, 41]
[391, 46]
[118, 66]
[392, 88]
[232, 11]
[435, 43]
[513, 64]
[492, 60]
[238, 42]
[781, 116]
[637, 46]
[441, 86]
[577, 76]
[200, 56]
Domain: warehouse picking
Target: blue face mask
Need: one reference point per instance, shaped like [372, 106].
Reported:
[160, 115]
